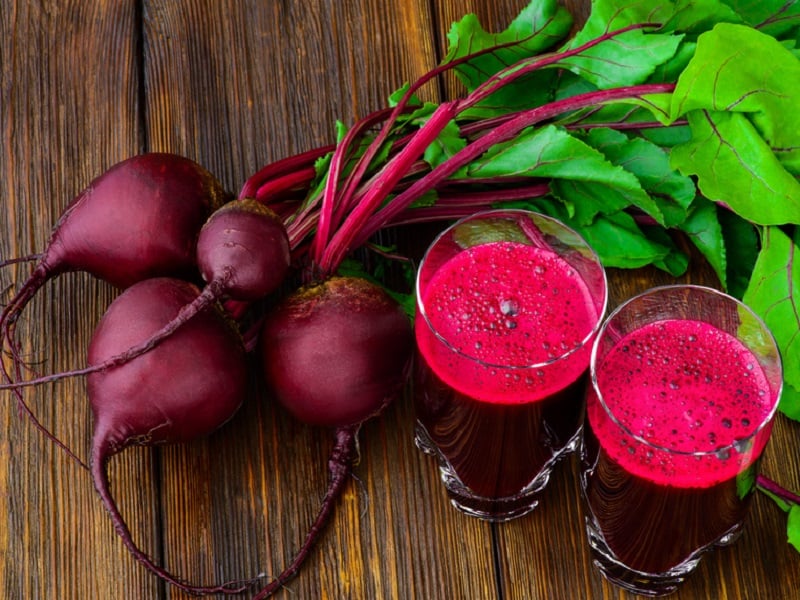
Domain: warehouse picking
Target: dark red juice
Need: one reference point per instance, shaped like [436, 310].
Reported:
[681, 387]
[501, 365]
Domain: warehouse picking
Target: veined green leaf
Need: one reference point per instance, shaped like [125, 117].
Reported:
[704, 229]
[674, 262]
[742, 245]
[670, 71]
[774, 294]
[539, 26]
[630, 57]
[608, 15]
[777, 18]
[697, 16]
[582, 176]
[669, 193]
[635, 56]
[616, 238]
[734, 165]
[448, 142]
[739, 69]
[619, 242]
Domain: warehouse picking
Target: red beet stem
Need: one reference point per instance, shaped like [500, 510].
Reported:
[19, 259]
[775, 489]
[8, 320]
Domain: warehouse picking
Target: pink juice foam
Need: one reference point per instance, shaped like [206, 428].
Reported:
[683, 386]
[507, 304]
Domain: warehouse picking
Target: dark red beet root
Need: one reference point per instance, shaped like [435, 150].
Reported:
[183, 389]
[244, 244]
[138, 220]
[335, 354]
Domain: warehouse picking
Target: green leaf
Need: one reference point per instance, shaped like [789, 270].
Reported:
[658, 130]
[697, 16]
[674, 262]
[447, 143]
[790, 402]
[774, 294]
[704, 229]
[735, 166]
[746, 481]
[728, 74]
[669, 193]
[537, 27]
[619, 242]
[635, 55]
[429, 198]
[398, 94]
[729, 243]
[777, 18]
[617, 239]
[607, 15]
[793, 527]
[669, 71]
[341, 130]
[582, 176]
[742, 245]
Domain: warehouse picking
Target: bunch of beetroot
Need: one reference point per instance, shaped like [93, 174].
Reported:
[167, 361]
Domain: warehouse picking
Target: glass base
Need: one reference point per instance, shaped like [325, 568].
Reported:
[496, 510]
[639, 582]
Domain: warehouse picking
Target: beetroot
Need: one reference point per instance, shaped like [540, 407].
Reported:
[244, 246]
[335, 354]
[185, 388]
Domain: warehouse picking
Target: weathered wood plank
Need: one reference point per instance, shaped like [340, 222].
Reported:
[68, 110]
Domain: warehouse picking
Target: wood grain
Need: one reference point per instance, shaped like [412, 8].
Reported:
[235, 84]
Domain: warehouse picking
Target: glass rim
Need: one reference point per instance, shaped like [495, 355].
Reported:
[737, 444]
[535, 215]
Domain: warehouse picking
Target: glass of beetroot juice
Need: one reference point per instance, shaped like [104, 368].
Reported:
[508, 304]
[685, 382]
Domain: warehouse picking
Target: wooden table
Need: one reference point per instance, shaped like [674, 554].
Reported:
[234, 85]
